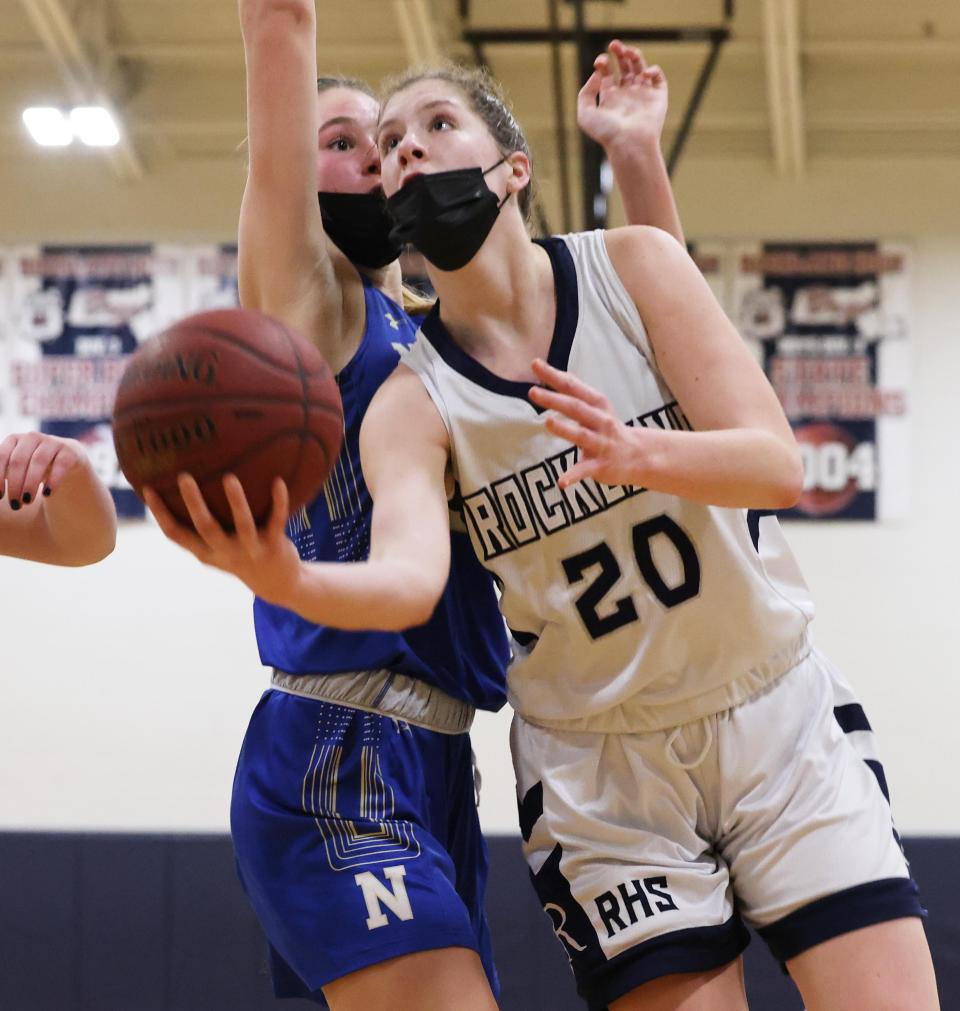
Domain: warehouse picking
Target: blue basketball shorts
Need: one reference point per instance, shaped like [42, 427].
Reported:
[357, 840]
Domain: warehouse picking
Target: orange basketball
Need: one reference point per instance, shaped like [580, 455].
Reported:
[228, 391]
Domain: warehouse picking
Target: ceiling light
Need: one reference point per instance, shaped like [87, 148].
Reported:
[48, 126]
[94, 126]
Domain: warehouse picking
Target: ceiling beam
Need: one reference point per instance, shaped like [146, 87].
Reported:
[89, 75]
[416, 26]
[781, 53]
[888, 51]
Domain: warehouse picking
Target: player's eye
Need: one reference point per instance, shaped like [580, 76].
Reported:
[441, 123]
[340, 143]
[388, 142]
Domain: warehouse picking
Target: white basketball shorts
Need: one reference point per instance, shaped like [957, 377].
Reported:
[648, 851]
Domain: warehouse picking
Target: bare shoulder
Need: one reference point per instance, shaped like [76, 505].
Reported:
[403, 411]
[642, 247]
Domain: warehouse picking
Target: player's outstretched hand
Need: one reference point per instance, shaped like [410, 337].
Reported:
[610, 451]
[32, 459]
[624, 101]
[265, 559]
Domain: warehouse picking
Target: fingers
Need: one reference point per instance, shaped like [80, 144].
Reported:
[628, 60]
[209, 529]
[280, 511]
[24, 460]
[33, 458]
[585, 468]
[7, 447]
[588, 440]
[654, 77]
[573, 408]
[589, 95]
[243, 521]
[616, 65]
[631, 66]
[41, 458]
[64, 460]
[176, 532]
[566, 382]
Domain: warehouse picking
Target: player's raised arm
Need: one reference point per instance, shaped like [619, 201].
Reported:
[72, 521]
[623, 106]
[286, 266]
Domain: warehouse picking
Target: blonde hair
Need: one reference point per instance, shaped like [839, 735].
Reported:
[415, 303]
[487, 99]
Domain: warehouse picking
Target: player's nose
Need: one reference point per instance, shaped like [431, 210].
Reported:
[410, 150]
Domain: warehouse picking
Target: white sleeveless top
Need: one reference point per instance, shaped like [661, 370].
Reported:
[631, 610]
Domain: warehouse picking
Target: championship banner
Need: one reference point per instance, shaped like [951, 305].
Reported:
[828, 322]
[73, 315]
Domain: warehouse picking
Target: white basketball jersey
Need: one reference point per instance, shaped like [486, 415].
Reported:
[631, 609]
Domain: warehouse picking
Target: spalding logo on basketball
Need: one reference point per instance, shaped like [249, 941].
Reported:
[836, 468]
[228, 391]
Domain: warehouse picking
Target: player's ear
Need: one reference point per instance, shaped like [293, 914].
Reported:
[520, 172]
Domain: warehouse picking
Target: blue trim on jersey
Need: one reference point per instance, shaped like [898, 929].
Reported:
[853, 908]
[753, 524]
[693, 949]
[463, 648]
[851, 717]
[564, 330]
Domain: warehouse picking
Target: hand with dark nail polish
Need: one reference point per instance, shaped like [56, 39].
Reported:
[78, 529]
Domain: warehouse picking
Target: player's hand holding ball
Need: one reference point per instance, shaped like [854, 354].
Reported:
[224, 424]
[263, 557]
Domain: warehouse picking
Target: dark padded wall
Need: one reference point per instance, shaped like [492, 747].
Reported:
[158, 923]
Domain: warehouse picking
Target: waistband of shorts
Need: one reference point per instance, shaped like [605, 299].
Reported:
[386, 693]
[636, 715]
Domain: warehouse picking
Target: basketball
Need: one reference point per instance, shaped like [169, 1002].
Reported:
[228, 391]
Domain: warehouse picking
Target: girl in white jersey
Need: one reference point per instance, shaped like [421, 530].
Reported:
[679, 765]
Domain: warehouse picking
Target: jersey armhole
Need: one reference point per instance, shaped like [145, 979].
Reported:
[614, 295]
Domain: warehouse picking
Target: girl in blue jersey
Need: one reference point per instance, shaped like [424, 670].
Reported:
[75, 526]
[506, 302]
[353, 816]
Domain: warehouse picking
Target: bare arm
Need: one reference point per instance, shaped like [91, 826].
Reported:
[623, 106]
[741, 453]
[286, 266]
[399, 585]
[73, 522]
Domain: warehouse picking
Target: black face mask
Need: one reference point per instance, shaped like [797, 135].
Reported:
[359, 225]
[447, 216]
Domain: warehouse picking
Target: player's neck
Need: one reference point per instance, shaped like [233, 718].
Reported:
[388, 280]
[500, 289]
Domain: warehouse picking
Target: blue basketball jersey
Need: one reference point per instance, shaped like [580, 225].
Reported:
[463, 648]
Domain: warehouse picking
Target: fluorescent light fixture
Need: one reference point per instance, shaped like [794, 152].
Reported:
[94, 126]
[48, 126]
